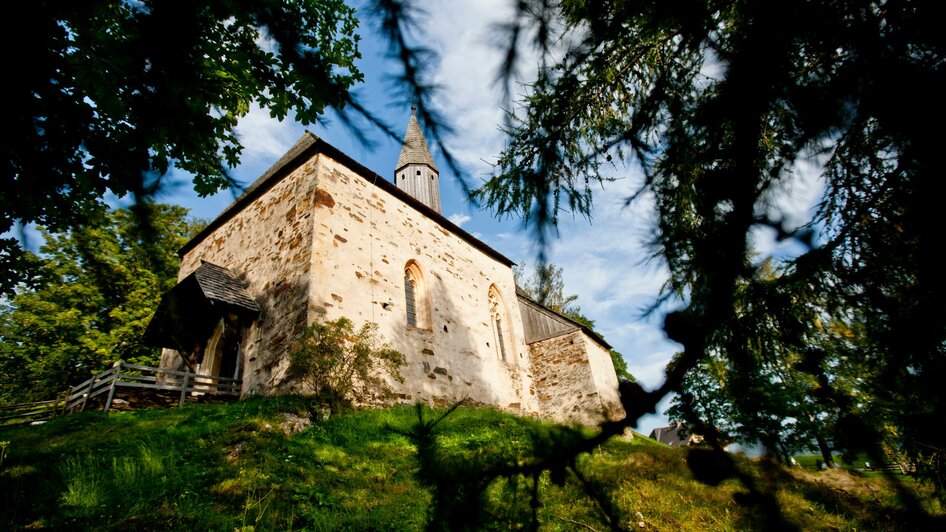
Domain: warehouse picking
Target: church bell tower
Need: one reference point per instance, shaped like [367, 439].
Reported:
[415, 172]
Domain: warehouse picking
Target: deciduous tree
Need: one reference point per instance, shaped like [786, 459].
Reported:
[108, 95]
[97, 288]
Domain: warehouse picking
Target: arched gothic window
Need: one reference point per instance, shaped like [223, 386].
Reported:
[410, 297]
[500, 324]
[417, 309]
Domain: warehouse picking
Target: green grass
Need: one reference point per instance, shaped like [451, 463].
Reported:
[232, 467]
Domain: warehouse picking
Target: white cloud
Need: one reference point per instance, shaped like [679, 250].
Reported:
[793, 202]
[265, 139]
[461, 34]
[459, 218]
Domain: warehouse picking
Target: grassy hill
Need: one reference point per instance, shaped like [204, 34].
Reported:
[247, 465]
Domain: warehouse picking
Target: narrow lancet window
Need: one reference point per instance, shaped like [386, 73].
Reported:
[499, 338]
[497, 313]
[410, 297]
[416, 298]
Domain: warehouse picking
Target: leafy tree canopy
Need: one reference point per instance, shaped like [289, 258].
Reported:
[719, 103]
[790, 416]
[545, 285]
[109, 94]
[97, 288]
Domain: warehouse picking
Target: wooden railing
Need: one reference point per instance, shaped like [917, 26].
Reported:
[32, 411]
[124, 375]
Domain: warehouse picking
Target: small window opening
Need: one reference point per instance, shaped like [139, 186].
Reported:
[499, 338]
[416, 299]
[418, 172]
[409, 297]
[497, 315]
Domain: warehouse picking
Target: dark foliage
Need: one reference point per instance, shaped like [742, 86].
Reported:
[719, 103]
[96, 288]
[109, 95]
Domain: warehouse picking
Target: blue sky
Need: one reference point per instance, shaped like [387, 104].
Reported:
[604, 260]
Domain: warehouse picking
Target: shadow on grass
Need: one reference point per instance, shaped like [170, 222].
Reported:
[242, 464]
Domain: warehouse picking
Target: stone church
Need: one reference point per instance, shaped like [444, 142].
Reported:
[320, 235]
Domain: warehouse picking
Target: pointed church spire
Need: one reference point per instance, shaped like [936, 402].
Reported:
[415, 172]
[414, 150]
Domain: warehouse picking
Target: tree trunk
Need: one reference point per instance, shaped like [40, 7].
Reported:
[825, 451]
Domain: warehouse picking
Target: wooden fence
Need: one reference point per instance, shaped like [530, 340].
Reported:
[124, 375]
[32, 411]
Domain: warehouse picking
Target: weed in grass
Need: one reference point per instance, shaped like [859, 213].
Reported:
[126, 471]
[258, 500]
[152, 461]
[84, 489]
[135, 473]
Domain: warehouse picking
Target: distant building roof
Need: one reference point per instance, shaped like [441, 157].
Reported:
[414, 150]
[673, 436]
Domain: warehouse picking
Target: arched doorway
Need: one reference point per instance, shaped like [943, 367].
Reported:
[223, 356]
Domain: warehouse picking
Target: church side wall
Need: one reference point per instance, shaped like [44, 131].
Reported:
[361, 247]
[564, 382]
[267, 244]
[606, 381]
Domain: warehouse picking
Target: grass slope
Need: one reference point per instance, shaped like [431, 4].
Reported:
[240, 466]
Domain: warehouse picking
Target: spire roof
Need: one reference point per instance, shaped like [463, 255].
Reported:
[414, 150]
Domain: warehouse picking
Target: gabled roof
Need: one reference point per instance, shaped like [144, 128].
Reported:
[189, 312]
[414, 149]
[541, 323]
[305, 148]
[672, 435]
[220, 286]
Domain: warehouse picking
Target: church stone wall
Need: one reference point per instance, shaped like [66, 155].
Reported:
[363, 239]
[565, 381]
[268, 245]
[325, 241]
[604, 377]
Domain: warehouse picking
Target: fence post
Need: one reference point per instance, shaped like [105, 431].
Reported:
[56, 411]
[88, 393]
[184, 388]
[111, 391]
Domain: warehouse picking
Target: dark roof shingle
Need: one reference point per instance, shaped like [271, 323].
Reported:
[220, 285]
[414, 150]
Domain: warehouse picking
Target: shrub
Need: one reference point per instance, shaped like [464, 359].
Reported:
[340, 366]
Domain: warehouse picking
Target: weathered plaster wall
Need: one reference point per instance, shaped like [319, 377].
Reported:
[364, 238]
[268, 245]
[606, 381]
[565, 383]
[324, 240]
